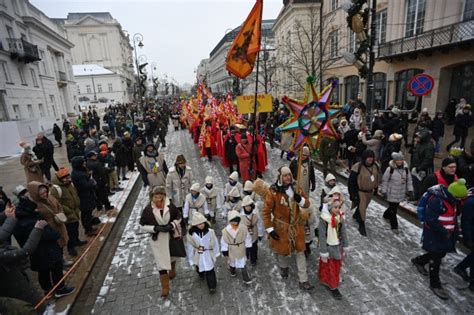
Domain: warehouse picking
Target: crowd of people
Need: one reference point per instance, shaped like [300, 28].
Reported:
[46, 214]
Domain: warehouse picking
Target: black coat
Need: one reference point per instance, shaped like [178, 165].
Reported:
[466, 169]
[312, 177]
[73, 149]
[467, 222]
[99, 172]
[121, 153]
[437, 128]
[48, 251]
[58, 135]
[230, 145]
[45, 151]
[84, 184]
[462, 123]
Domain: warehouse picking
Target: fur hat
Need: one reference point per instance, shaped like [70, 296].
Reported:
[261, 187]
[91, 154]
[329, 177]
[284, 170]
[234, 176]
[458, 188]
[180, 159]
[448, 160]
[234, 192]
[248, 186]
[195, 187]
[198, 218]
[398, 156]
[233, 216]
[62, 172]
[247, 201]
[395, 137]
[209, 180]
[335, 190]
[378, 134]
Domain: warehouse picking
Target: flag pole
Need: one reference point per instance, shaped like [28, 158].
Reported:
[255, 130]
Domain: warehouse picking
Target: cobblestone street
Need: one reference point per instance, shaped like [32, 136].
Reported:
[377, 278]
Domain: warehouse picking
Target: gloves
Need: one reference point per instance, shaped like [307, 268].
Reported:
[163, 228]
[40, 224]
[297, 198]
[274, 235]
[225, 253]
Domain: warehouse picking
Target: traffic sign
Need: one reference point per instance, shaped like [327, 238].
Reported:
[421, 84]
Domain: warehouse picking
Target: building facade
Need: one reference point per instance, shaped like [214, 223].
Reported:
[37, 86]
[412, 36]
[99, 86]
[219, 79]
[99, 39]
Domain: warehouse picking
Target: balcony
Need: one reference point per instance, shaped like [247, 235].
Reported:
[62, 78]
[443, 37]
[22, 50]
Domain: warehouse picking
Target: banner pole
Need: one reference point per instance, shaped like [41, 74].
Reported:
[255, 130]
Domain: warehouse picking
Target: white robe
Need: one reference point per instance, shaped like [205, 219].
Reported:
[207, 259]
[239, 262]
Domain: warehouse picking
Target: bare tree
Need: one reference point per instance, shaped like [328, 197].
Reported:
[306, 53]
[267, 70]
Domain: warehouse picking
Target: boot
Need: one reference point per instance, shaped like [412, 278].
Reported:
[306, 286]
[421, 268]
[165, 285]
[246, 276]
[362, 230]
[440, 292]
[284, 273]
[336, 294]
[356, 215]
[307, 251]
[462, 273]
[172, 273]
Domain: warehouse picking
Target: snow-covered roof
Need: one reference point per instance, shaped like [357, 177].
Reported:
[85, 70]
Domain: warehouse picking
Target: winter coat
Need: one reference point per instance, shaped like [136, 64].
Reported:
[48, 208]
[45, 151]
[467, 222]
[462, 123]
[278, 214]
[32, 167]
[73, 149]
[163, 246]
[244, 153]
[137, 153]
[422, 156]
[437, 128]
[374, 145]
[396, 182]
[328, 149]
[48, 251]
[99, 173]
[466, 168]
[155, 168]
[68, 198]
[360, 179]
[230, 145]
[121, 153]
[178, 185]
[85, 185]
[206, 239]
[391, 147]
[58, 135]
[13, 263]
[331, 251]
[435, 237]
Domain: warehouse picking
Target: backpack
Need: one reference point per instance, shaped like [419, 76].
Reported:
[422, 204]
[392, 170]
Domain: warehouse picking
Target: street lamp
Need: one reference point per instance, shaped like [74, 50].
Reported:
[137, 38]
[93, 83]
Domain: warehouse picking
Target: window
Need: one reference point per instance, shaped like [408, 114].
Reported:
[43, 63]
[415, 17]
[352, 87]
[41, 110]
[78, 89]
[352, 39]
[110, 87]
[462, 82]
[31, 114]
[381, 31]
[88, 89]
[380, 89]
[33, 76]
[16, 111]
[22, 76]
[333, 43]
[99, 88]
[402, 95]
[334, 4]
[53, 104]
[15, 7]
[5, 72]
[468, 10]
[10, 32]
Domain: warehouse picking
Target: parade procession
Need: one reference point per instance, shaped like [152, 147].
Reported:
[311, 168]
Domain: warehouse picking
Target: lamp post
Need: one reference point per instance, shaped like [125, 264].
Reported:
[137, 38]
[93, 83]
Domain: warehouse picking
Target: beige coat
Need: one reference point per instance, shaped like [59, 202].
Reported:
[177, 187]
[31, 167]
[156, 175]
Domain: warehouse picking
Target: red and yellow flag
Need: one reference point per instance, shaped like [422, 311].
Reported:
[243, 52]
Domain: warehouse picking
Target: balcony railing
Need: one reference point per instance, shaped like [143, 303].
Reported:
[22, 50]
[435, 38]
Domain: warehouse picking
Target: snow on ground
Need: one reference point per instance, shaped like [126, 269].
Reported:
[377, 274]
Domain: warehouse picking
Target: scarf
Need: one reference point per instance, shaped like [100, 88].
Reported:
[333, 221]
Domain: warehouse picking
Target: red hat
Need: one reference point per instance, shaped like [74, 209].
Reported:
[103, 147]
[62, 172]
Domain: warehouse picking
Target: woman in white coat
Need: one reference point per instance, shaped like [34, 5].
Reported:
[162, 220]
[203, 249]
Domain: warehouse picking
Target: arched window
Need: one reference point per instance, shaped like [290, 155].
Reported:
[402, 95]
[335, 93]
[351, 87]
[380, 89]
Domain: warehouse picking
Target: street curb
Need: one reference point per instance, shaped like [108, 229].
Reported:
[65, 304]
